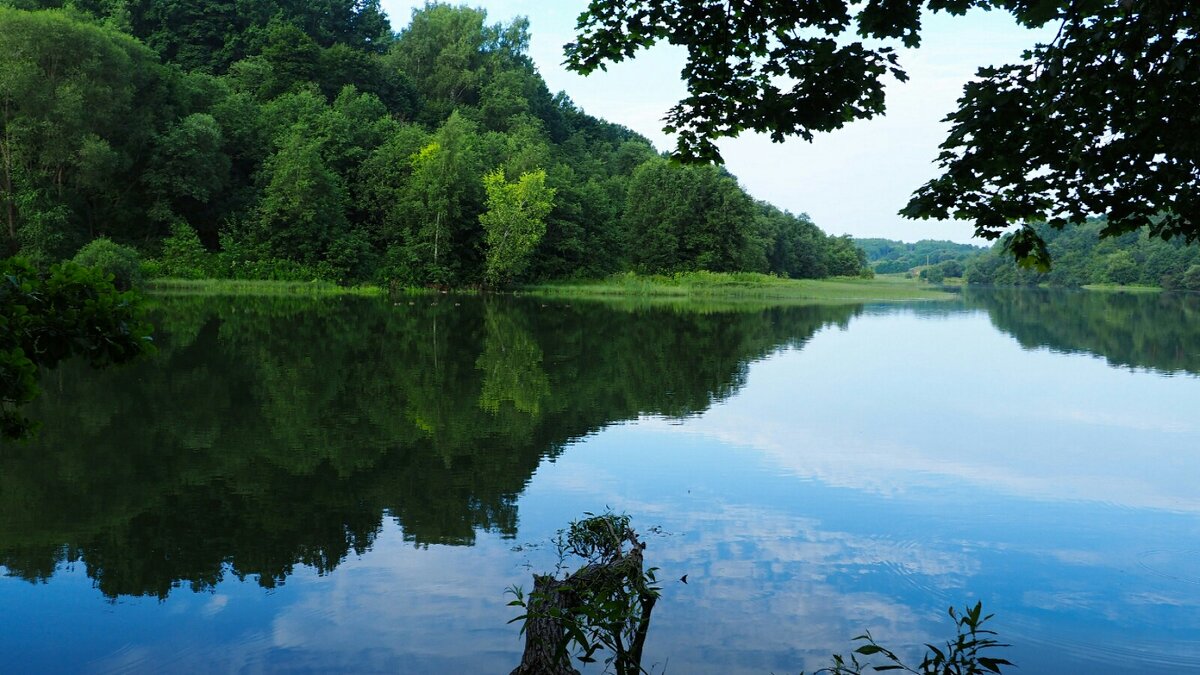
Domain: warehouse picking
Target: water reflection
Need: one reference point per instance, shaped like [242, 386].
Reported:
[271, 433]
[1158, 331]
[816, 471]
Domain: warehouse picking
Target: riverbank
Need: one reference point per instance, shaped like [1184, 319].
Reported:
[742, 286]
[250, 287]
[692, 286]
[1117, 288]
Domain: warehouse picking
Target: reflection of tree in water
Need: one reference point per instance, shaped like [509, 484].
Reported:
[268, 433]
[1159, 331]
[512, 365]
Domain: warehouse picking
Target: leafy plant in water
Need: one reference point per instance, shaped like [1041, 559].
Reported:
[963, 656]
[604, 605]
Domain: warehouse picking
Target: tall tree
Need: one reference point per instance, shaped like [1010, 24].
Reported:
[515, 221]
[69, 132]
[451, 53]
[442, 173]
[304, 205]
[680, 218]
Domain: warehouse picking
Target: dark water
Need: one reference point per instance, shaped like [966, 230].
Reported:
[350, 485]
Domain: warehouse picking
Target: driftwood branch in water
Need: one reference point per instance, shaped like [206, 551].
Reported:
[555, 602]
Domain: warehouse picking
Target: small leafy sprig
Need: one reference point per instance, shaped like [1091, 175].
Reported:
[965, 655]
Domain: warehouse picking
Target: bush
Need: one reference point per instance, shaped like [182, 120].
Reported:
[112, 258]
[351, 256]
[962, 656]
[245, 261]
[933, 275]
[1191, 279]
[1121, 268]
[183, 256]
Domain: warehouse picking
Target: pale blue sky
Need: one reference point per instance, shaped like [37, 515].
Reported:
[849, 181]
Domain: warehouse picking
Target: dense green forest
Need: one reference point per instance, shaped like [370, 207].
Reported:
[1081, 257]
[297, 140]
[887, 256]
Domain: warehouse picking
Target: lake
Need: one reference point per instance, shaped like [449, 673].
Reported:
[350, 485]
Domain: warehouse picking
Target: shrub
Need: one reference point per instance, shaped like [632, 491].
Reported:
[112, 258]
[1191, 279]
[183, 256]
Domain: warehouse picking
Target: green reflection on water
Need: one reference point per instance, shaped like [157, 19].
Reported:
[1157, 331]
[274, 432]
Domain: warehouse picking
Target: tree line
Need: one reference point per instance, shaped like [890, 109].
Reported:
[887, 256]
[1083, 255]
[282, 139]
[1099, 120]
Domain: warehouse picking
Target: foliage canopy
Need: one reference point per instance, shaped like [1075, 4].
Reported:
[304, 140]
[1102, 120]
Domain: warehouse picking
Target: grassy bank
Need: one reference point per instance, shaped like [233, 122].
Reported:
[1117, 288]
[256, 288]
[706, 287]
[742, 286]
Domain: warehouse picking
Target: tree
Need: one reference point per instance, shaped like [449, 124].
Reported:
[1191, 278]
[69, 129]
[1103, 119]
[120, 263]
[1121, 268]
[514, 222]
[442, 174]
[304, 205]
[183, 255]
[844, 259]
[681, 218]
[450, 53]
[189, 168]
[71, 311]
[292, 57]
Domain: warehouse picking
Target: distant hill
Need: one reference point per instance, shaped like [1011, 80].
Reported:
[887, 256]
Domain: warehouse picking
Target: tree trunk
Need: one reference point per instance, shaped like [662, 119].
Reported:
[10, 201]
[545, 634]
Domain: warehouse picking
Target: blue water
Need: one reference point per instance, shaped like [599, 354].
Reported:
[866, 474]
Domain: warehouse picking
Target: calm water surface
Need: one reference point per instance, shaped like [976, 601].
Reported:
[350, 485]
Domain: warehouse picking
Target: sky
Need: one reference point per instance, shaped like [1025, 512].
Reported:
[851, 181]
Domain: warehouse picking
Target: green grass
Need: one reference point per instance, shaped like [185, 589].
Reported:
[256, 288]
[1117, 288]
[741, 286]
[709, 288]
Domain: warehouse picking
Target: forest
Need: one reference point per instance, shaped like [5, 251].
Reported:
[887, 256]
[1083, 256]
[277, 139]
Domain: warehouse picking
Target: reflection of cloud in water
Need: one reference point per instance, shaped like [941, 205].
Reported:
[1133, 422]
[215, 605]
[423, 604]
[763, 585]
[765, 593]
[768, 591]
[845, 458]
